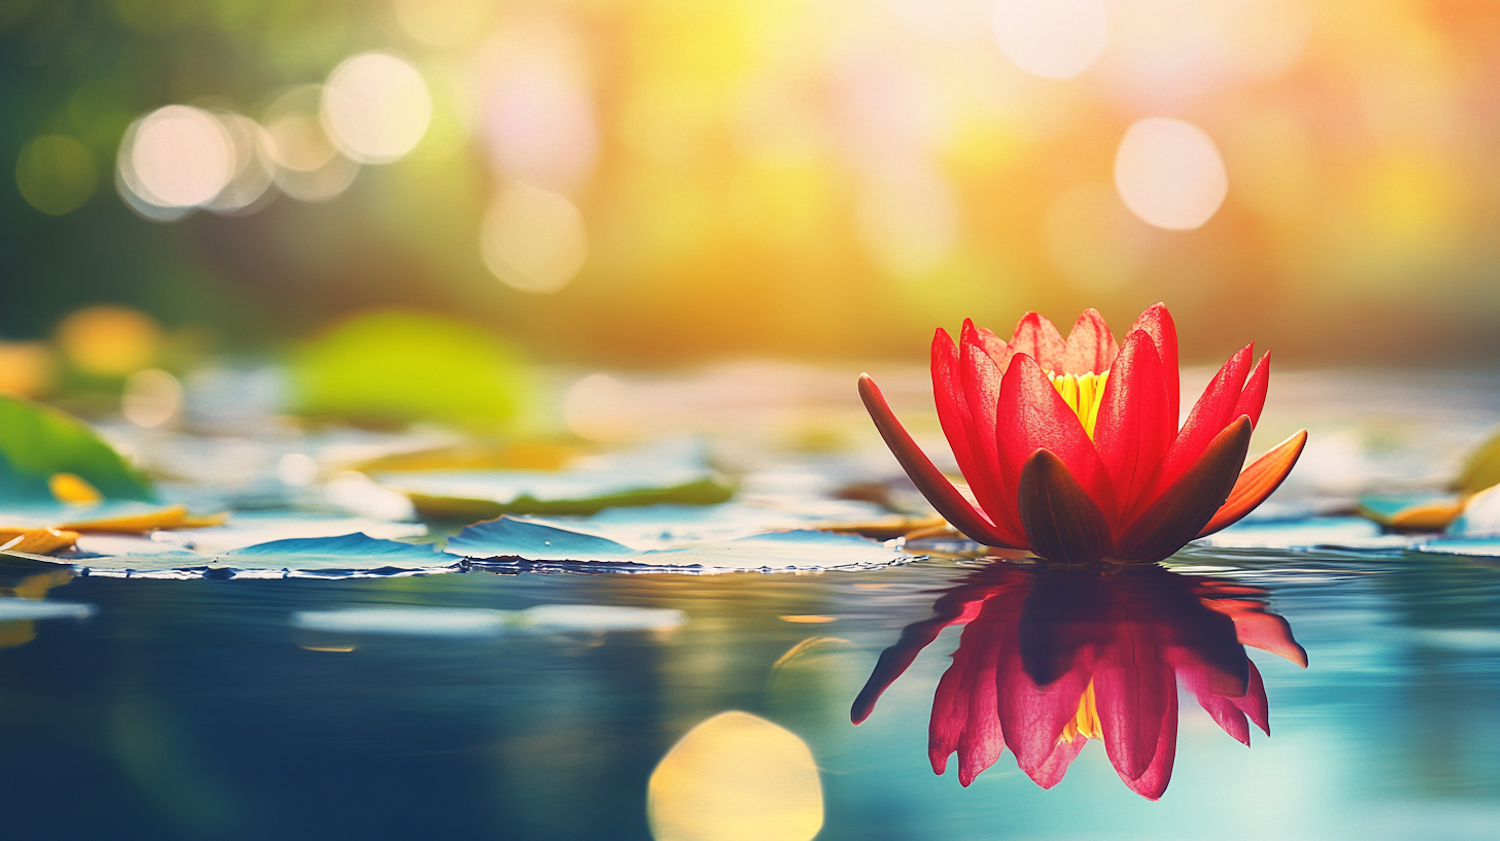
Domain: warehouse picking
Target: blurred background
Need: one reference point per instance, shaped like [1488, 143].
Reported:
[669, 182]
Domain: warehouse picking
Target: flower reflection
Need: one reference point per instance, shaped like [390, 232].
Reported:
[1053, 657]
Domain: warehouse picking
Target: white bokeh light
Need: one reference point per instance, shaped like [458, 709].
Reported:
[249, 188]
[177, 157]
[1057, 39]
[1170, 173]
[309, 165]
[376, 107]
[533, 239]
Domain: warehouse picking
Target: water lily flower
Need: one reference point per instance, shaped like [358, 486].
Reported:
[1071, 447]
[1050, 659]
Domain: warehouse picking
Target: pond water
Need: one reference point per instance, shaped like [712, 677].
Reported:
[203, 709]
[507, 701]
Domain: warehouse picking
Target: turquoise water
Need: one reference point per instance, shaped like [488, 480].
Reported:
[205, 708]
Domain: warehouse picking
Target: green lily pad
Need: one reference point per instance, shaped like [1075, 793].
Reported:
[38, 441]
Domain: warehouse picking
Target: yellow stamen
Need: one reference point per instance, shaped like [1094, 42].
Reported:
[1086, 721]
[1083, 393]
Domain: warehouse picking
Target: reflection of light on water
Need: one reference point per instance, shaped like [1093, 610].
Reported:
[736, 776]
[177, 157]
[532, 239]
[376, 107]
[1170, 173]
[151, 398]
[1057, 39]
[109, 340]
[442, 23]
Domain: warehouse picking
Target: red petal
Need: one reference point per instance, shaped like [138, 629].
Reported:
[994, 346]
[1135, 427]
[1036, 337]
[981, 387]
[1134, 689]
[1090, 347]
[1213, 411]
[928, 479]
[1158, 324]
[1253, 398]
[1256, 482]
[1180, 513]
[1062, 524]
[1034, 416]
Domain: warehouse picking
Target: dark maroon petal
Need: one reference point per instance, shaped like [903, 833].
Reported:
[1062, 524]
[1182, 511]
[1256, 482]
[928, 479]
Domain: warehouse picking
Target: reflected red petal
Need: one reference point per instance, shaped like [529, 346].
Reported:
[1157, 323]
[1227, 715]
[982, 739]
[928, 479]
[1254, 627]
[1254, 703]
[1036, 337]
[1152, 783]
[1256, 482]
[1051, 772]
[1134, 689]
[1180, 513]
[1090, 347]
[1034, 416]
[1253, 397]
[1033, 717]
[1062, 524]
[1134, 428]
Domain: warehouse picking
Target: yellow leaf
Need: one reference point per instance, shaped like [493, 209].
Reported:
[67, 487]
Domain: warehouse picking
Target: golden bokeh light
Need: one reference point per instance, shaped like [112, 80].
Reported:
[442, 23]
[177, 156]
[1056, 39]
[736, 777]
[110, 340]
[27, 368]
[376, 107]
[533, 239]
[1170, 173]
[151, 397]
[56, 174]
[309, 165]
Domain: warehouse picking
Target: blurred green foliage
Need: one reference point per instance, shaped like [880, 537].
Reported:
[37, 441]
[391, 367]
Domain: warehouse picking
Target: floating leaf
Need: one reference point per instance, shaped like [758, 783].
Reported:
[1421, 511]
[397, 367]
[171, 517]
[1318, 532]
[38, 442]
[37, 541]
[358, 547]
[700, 492]
[509, 540]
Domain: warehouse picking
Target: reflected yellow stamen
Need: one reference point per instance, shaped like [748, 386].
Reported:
[1086, 721]
[1083, 394]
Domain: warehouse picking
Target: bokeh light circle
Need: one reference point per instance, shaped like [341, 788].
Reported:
[1056, 39]
[1170, 173]
[533, 239]
[376, 107]
[180, 156]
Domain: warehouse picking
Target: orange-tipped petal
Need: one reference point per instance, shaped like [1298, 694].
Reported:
[1061, 522]
[924, 474]
[1257, 482]
[1157, 323]
[1090, 348]
[1036, 337]
[1183, 510]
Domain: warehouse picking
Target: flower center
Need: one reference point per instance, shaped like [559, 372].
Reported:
[1086, 722]
[1083, 393]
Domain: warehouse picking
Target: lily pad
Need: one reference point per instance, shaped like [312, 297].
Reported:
[1417, 511]
[37, 442]
[514, 542]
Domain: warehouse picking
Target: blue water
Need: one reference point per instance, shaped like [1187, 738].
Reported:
[198, 709]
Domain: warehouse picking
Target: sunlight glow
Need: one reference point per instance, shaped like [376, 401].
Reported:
[376, 107]
[1057, 39]
[442, 23]
[1170, 173]
[533, 240]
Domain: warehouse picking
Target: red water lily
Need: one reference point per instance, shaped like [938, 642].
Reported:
[1071, 447]
[1051, 659]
